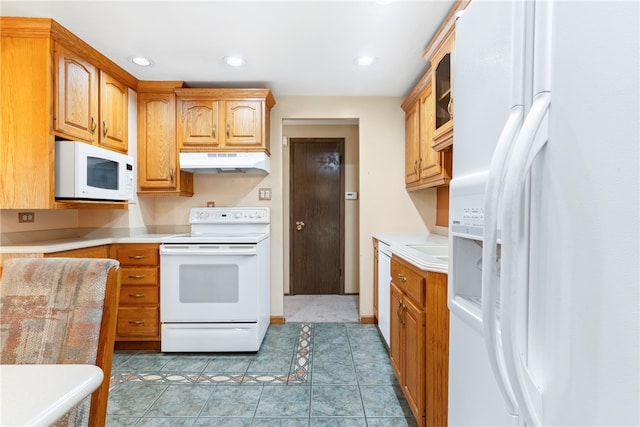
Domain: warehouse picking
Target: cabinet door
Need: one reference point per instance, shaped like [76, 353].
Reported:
[157, 154]
[76, 94]
[113, 113]
[198, 124]
[396, 332]
[243, 127]
[430, 164]
[414, 357]
[443, 100]
[412, 144]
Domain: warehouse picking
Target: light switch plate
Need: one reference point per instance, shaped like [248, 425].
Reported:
[351, 195]
[264, 194]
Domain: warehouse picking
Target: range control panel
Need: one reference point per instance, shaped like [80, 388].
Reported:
[228, 215]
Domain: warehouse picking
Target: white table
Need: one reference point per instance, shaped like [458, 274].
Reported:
[37, 395]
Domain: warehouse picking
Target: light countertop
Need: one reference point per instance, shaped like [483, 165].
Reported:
[404, 246]
[69, 243]
[37, 395]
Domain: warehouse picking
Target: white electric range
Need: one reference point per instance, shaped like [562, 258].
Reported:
[214, 283]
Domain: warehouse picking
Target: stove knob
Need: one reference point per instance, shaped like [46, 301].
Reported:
[260, 214]
[238, 214]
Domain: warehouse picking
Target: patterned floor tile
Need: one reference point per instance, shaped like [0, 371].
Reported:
[223, 422]
[180, 401]
[281, 402]
[232, 402]
[395, 405]
[337, 422]
[340, 373]
[133, 399]
[168, 422]
[335, 401]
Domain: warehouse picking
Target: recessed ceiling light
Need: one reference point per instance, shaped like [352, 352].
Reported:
[365, 61]
[234, 61]
[141, 61]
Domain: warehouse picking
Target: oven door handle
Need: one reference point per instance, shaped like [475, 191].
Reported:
[206, 249]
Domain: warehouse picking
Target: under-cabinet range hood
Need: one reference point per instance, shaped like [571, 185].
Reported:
[254, 163]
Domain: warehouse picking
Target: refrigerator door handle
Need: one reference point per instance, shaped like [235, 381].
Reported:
[514, 283]
[495, 180]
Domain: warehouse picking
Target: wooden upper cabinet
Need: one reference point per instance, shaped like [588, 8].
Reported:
[76, 88]
[443, 99]
[223, 119]
[114, 113]
[424, 167]
[244, 123]
[412, 143]
[50, 87]
[198, 124]
[432, 162]
[439, 53]
[158, 164]
[90, 106]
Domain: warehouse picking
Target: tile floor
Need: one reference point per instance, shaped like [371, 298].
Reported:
[320, 374]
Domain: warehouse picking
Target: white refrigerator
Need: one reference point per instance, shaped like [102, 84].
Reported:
[544, 277]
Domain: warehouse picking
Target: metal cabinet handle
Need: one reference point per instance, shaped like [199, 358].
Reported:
[137, 276]
[171, 174]
[214, 131]
[136, 295]
[93, 125]
[136, 322]
[402, 278]
[228, 130]
[136, 256]
[299, 225]
[450, 108]
[105, 128]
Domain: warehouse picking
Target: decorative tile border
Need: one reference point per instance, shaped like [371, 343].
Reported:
[298, 373]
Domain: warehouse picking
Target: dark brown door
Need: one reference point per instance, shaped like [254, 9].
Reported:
[317, 213]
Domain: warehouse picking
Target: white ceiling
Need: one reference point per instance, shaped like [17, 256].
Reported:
[297, 48]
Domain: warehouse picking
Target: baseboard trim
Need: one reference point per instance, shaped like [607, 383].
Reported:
[367, 320]
[277, 320]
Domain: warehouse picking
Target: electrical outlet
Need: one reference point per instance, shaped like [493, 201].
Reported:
[264, 194]
[211, 204]
[26, 216]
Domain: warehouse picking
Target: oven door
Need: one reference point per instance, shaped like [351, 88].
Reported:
[209, 283]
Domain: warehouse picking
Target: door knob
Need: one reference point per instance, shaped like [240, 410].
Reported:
[299, 225]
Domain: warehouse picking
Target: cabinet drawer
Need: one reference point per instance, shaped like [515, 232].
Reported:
[138, 322]
[139, 295]
[139, 275]
[408, 281]
[137, 255]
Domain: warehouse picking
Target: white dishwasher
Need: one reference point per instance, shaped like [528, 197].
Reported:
[384, 288]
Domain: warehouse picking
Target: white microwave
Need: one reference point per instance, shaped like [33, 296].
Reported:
[87, 172]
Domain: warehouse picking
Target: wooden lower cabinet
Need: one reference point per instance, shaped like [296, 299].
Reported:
[138, 323]
[419, 341]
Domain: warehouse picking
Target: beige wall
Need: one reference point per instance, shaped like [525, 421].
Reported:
[384, 204]
[351, 211]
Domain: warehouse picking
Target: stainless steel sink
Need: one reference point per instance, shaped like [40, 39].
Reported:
[439, 252]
